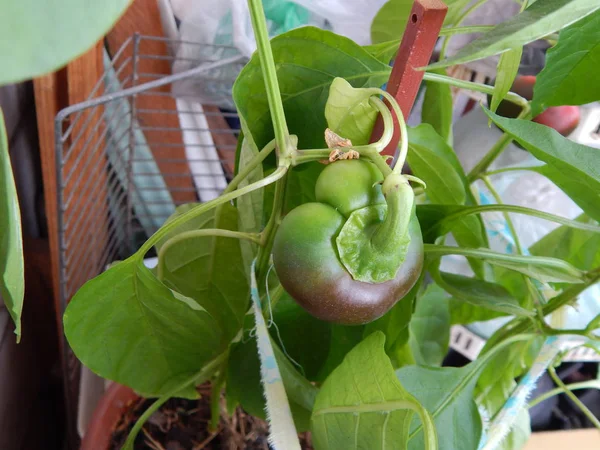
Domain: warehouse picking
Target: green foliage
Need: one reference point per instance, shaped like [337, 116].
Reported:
[537, 21]
[12, 282]
[37, 38]
[569, 65]
[308, 60]
[508, 68]
[430, 327]
[437, 108]
[209, 269]
[576, 167]
[390, 21]
[127, 326]
[349, 113]
[363, 405]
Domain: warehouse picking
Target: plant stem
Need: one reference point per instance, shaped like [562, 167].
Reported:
[268, 234]
[590, 384]
[267, 64]
[584, 409]
[451, 31]
[202, 208]
[388, 124]
[477, 87]
[519, 210]
[509, 169]
[399, 163]
[196, 379]
[490, 255]
[248, 168]
[496, 150]
[215, 399]
[217, 232]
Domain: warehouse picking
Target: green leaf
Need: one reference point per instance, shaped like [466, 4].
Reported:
[478, 292]
[363, 405]
[349, 113]
[576, 188]
[244, 386]
[447, 393]
[12, 270]
[565, 78]
[508, 68]
[383, 51]
[395, 323]
[464, 313]
[578, 247]
[437, 108]
[304, 338]
[430, 327]
[431, 159]
[566, 160]
[41, 37]
[250, 206]
[537, 21]
[390, 21]
[343, 339]
[497, 381]
[209, 269]
[308, 60]
[127, 326]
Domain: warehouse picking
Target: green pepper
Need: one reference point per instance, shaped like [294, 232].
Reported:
[350, 256]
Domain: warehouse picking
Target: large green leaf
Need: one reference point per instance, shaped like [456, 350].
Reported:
[478, 292]
[437, 108]
[383, 51]
[343, 339]
[569, 65]
[578, 247]
[566, 159]
[431, 159]
[39, 37]
[395, 323]
[12, 270]
[538, 20]
[127, 326]
[209, 269]
[390, 21]
[363, 405]
[308, 60]
[244, 384]
[304, 338]
[349, 113]
[447, 393]
[577, 189]
[430, 327]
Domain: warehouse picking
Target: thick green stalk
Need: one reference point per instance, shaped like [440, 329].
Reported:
[217, 232]
[202, 208]
[392, 233]
[267, 64]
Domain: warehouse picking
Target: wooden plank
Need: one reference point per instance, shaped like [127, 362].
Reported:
[166, 144]
[419, 38]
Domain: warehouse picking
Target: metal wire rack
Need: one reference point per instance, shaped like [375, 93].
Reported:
[157, 131]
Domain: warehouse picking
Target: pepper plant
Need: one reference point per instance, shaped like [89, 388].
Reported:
[321, 250]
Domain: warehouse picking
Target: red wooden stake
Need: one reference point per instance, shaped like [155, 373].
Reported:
[422, 30]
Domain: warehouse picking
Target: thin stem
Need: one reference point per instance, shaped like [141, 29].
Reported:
[198, 378]
[549, 331]
[509, 169]
[477, 87]
[201, 209]
[217, 232]
[248, 168]
[388, 124]
[451, 31]
[267, 64]
[584, 409]
[490, 255]
[215, 399]
[268, 234]
[496, 149]
[590, 384]
[399, 163]
[479, 209]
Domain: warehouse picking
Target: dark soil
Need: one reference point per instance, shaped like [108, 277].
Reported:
[183, 425]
